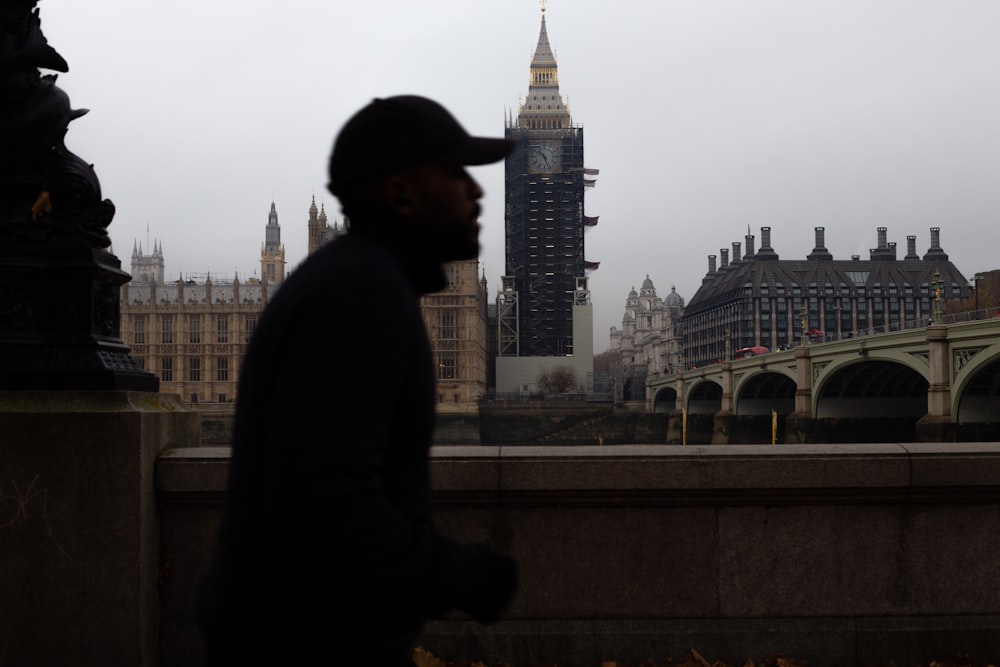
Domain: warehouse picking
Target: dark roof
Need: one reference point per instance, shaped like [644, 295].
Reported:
[728, 283]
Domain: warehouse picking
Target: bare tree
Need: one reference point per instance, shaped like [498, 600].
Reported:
[557, 380]
[607, 361]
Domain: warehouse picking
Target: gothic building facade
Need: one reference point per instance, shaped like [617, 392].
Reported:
[455, 319]
[760, 300]
[319, 231]
[192, 332]
[544, 295]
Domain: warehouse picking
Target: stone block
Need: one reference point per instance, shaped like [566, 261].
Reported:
[918, 640]
[803, 561]
[78, 524]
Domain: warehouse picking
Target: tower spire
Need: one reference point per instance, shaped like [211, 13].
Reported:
[272, 251]
[272, 233]
[544, 107]
[543, 50]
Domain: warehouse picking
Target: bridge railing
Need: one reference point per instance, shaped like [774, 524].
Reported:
[892, 327]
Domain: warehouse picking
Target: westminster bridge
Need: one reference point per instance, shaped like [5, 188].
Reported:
[934, 383]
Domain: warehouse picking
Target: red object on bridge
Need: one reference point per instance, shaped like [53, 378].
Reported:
[755, 351]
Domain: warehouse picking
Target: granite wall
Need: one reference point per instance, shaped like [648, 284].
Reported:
[835, 554]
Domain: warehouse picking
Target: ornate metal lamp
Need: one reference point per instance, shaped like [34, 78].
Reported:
[59, 286]
[936, 284]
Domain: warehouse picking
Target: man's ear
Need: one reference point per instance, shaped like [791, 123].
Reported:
[399, 195]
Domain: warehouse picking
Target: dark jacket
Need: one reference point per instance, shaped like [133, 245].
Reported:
[326, 545]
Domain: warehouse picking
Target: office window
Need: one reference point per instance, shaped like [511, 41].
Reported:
[167, 369]
[194, 329]
[448, 324]
[194, 370]
[451, 276]
[222, 369]
[167, 329]
[249, 325]
[139, 323]
[447, 366]
[222, 329]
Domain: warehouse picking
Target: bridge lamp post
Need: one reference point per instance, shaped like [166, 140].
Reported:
[936, 284]
[977, 278]
[803, 318]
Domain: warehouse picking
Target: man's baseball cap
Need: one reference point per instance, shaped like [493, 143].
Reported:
[396, 132]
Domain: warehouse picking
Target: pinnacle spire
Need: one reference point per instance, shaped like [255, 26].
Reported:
[543, 109]
[543, 50]
[272, 233]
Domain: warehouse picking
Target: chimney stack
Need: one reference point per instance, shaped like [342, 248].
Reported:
[766, 251]
[883, 251]
[911, 247]
[750, 250]
[725, 259]
[820, 252]
[736, 252]
[711, 263]
[935, 251]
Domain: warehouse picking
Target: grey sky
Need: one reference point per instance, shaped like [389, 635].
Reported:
[704, 117]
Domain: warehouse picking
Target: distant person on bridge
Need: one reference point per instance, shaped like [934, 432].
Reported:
[326, 551]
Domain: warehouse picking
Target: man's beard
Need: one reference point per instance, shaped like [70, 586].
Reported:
[462, 243]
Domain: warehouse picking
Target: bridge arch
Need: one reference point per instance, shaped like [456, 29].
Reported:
[871, 388]
[764, 391]
[976, 388]
[704, 398]
[665, 400]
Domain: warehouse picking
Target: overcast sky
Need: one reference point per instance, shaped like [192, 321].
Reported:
[703, 116]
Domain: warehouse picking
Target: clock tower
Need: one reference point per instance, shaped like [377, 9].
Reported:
[544, 226]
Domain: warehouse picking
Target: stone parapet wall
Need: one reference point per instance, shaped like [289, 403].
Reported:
[847, 554]
[79, 524]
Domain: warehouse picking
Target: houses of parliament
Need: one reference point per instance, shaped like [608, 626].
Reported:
[192, 332]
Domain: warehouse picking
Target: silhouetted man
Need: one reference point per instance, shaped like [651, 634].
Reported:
[326, 551]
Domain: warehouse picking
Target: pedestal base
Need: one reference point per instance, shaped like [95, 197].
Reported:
[79, 531]
[59, 316]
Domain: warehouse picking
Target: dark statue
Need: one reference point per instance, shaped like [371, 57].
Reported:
[59, 287]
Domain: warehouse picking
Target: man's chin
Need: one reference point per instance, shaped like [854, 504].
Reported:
[462, 249]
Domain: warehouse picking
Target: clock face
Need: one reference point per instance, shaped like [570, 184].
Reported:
[544, 157]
